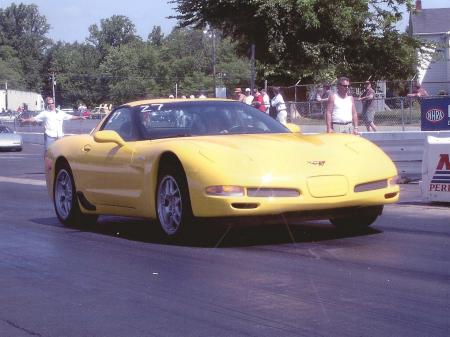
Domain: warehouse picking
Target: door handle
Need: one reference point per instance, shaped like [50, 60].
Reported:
[87, 148]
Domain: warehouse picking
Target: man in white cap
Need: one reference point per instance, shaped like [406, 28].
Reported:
[248, 96]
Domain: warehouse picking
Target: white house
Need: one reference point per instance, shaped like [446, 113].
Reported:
[433, 24]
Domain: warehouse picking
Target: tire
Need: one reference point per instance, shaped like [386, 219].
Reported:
[65, 199]
[172, 202]
[362, 219]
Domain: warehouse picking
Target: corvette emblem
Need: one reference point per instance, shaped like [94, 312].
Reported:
[317, 162]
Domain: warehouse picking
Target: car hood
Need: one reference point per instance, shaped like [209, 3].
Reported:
[284, 155]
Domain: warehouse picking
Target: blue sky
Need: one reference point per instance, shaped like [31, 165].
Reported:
[70, 19]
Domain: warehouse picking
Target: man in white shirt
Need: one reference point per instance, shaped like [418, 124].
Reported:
[248, 96]
[53, 122]
[341, 115]
[279, 104]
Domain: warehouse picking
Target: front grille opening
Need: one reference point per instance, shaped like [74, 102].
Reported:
[272, 192]
[245, 205]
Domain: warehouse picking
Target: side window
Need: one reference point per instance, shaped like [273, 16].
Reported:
[122, 122]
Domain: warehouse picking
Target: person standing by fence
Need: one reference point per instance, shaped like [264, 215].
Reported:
[258, 101]
[239, 96]
[266, 100]
[341, 113]
[280, 106]
[418, 92]
[248, 96]
[368, 106]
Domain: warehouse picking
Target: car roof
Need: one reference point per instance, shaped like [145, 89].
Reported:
[172, 100]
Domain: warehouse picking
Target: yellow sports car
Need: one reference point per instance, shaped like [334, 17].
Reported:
[178, 161]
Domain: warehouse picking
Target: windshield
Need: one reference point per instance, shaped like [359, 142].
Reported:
[201, 118]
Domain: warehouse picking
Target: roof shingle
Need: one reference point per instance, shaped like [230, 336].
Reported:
[431, 20]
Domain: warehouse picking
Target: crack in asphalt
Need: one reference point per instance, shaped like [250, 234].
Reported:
[31, 333]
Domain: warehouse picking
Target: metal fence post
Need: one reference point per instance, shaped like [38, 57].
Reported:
[411, 103]
[403, 113]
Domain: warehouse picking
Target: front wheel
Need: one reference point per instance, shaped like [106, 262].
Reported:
[361, 219]
[65, 199]
[173, 206]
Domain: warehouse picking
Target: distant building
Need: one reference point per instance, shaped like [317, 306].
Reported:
[12, 99]
[433, 25]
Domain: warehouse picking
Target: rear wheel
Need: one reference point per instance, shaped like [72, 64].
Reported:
[65, 199]
[173, 206]
[361, 219]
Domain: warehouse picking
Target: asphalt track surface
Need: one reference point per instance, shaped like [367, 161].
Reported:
[122, 278]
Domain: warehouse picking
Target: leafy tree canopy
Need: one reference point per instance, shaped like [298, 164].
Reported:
[113, 32]
[24, 29]
[311, 40]
[156, 36]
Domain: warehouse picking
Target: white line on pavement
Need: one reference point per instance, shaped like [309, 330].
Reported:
[24, 181]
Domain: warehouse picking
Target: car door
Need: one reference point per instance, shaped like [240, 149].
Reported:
[107, 172]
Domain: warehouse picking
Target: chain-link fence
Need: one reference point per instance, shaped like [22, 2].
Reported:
[391, 114]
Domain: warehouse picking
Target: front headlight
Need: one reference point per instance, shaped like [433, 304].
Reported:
[373, 185]
[225, 191]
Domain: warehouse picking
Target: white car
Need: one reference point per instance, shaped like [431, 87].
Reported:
[9, 140]
[69, 111]
[6, 117]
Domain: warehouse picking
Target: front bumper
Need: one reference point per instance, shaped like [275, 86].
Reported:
[212, 206]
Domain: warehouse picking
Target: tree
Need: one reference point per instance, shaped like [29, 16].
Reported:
[24, 30]
[186, 58]
[156, 37]
[77, 74]
[11, 68]
[130, 69]
[311, 39]
[113, 32]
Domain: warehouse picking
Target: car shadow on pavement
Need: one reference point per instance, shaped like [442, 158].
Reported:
[217, 236]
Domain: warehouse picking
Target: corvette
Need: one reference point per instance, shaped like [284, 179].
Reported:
[182, 161]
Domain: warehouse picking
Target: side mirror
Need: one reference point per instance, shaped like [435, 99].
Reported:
[295, 128]
[108, 136]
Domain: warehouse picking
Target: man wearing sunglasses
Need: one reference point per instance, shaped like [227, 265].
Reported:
[341, 115]
[53, 122]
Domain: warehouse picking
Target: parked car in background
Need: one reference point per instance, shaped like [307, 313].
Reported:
[100, 111]
[86, 113]
[26, 114]
[9, 140]
[69, 111]
[7, 116]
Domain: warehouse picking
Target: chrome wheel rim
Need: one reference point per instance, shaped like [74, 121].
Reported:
[63, 194]
[170, 206]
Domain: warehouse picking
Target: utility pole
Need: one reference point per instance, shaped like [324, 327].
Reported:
[211, 33]
[6, 95]
[53, 87]
[214, 58]
[252, 84]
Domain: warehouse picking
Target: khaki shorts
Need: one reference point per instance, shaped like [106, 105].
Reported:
[347, 128]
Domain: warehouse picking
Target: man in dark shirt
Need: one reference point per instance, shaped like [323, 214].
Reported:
[368, 106]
